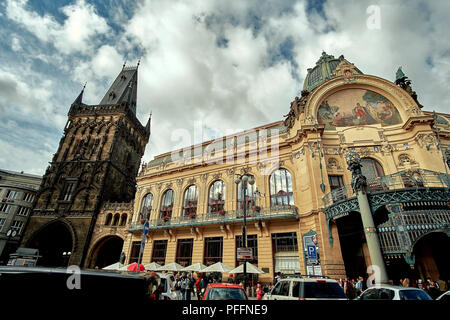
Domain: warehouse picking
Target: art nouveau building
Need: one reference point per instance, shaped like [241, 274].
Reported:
[301, 196]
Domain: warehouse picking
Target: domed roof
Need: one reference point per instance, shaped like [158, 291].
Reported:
[322, 72]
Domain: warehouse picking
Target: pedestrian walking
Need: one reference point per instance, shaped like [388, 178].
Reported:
[198, 287]
[190, 286]
[359, 286]
[230, 278]
[177, 287]
[183, 286]
[259, 292]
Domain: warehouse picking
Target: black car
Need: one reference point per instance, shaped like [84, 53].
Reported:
[44, 283]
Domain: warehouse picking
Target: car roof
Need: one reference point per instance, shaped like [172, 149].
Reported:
[225, 285]
[308, 279]
[393, 287]
[18, 270]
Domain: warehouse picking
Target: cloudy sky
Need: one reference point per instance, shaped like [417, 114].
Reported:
[208, 68]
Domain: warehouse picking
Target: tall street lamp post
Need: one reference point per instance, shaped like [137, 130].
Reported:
[359, 185]
[251, 180]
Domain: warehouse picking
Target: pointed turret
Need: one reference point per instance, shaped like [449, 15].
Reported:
[124, 88]
[79, 99]
[148, 127]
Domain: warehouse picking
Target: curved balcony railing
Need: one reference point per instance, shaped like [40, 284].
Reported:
[230, 216]
[408, 179]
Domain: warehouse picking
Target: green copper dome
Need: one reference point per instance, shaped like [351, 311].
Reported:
[322, 72]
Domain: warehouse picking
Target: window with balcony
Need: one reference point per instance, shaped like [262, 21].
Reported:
[146, 207]
[250, 198]
[190, 202]
[372, 170]
[166, 205]
[336, 184]
[281, 188]
[216, 202]
[17, 226]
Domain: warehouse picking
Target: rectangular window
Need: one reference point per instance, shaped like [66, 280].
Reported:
[68, 191]
[29, 197]
[6, 208]
[159, 251]
[213, 250]
[336, 184]
[11, 194]
[184, 252]
[134, 254]
[17, 225]
[23, 211]
[2, 223]
[285, 241]
[252, 242]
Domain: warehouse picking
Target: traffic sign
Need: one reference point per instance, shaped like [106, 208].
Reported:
[244, 253]
[146, 227]
[312, 253]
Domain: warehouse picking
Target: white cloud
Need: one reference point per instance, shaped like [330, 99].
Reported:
[75, 35]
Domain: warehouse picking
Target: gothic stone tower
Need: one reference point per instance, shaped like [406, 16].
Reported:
[97, 161]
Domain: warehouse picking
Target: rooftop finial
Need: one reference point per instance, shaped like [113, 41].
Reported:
[139, 61]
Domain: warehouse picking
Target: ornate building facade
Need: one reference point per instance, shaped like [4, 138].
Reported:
[96, 163]
[301, 198]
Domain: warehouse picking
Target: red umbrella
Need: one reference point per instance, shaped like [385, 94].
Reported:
[133, 267]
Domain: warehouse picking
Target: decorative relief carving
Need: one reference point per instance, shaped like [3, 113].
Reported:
[426, 140]
[406, 160]
[333, 164]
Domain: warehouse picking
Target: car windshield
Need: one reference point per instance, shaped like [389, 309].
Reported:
[323, 290]
[414, 295]
[226, 294]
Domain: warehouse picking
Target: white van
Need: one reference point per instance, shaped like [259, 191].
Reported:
[299, 288]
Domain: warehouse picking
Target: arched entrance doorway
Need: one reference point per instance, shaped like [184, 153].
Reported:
[107, 251]
[353, 244]
[431, 257]
[52, 241]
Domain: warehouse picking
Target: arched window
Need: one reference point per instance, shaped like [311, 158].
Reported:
[166, 205]
[123, 219]
[216, 202]
[116, 219]
[108, 219]
[250, 198]
[146, 206]
[190, 201]
[371, 168]
[281, 188]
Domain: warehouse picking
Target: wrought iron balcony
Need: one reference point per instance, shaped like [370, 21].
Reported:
[408, 179]
[230, 216]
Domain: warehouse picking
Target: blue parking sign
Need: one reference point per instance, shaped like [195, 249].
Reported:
[312, 252]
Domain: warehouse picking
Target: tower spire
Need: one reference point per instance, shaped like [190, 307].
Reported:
[148, 127]
[79, 99]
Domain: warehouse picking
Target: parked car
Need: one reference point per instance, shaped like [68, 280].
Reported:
[389, 292]
[41, 283]
[444, 297]
[224, 291]
[306, 288]
[167, 285]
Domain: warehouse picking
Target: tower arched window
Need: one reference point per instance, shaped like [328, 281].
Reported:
[166, 205]
[250, 197]
[146, 207]
[280, 184]
[190, 201]
[116, 219]
[216, 200]
[123, 219]
[108, 219]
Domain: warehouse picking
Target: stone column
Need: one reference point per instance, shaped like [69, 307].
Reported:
[359, 185]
